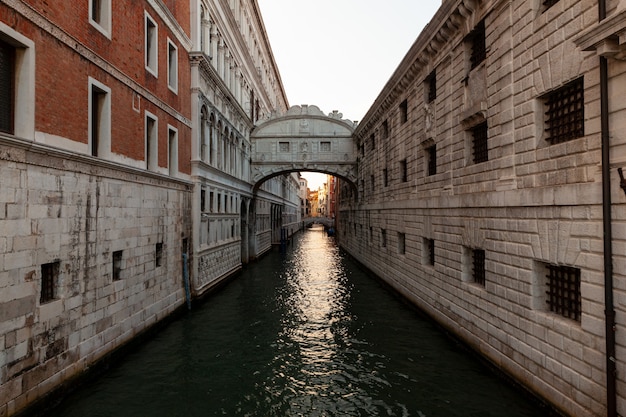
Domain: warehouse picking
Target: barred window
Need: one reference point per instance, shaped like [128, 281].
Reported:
[431, 155]
[431, 87]
[479, 143]
[283, 146]
[383, 238]
[565, 112]
[403, 171]
[158, 256]
[563, 291]
[7, 77]
[478, 266]
[325, 146]
[49, 280]
[477, 44]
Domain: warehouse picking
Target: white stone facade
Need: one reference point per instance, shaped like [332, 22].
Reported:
[427, 209]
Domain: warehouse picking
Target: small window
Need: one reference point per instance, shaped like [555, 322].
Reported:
[431, 159]
[385, 128]
[117, 265]
[404, 112]
[401, 243]
[372, 182]
[565, 112]
[211, 197]
[373, 141]
[383, 238]
[403, 171]
[7, 81]
[480, 149]
[152, 36]
[477, 44]
[172, 66]
[99, 118]
[202, 200]
[158, 255]
[325, 146]
[283, 146]
[172, 150]
[549, 3]
[563, 291]
[49, 281]
[151, 142]
[385, 177]
[100, 16]
[430, 84]
[429, 251]
[478, 266]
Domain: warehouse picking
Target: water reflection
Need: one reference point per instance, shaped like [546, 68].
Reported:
[302, 334]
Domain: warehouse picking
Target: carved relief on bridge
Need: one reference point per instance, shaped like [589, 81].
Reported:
[304, 139]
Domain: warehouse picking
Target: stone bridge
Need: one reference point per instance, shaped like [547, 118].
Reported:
[326, 221]
[304, 139]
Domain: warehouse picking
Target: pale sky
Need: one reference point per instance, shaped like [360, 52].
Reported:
[339, 54]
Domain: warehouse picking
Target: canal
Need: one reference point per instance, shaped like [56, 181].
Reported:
[306, 333]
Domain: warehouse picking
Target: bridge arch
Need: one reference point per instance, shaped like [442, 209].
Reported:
[304, 139]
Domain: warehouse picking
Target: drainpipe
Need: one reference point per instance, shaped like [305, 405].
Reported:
[609, 312]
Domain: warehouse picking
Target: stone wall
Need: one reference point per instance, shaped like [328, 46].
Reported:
[427, 209]
[111, 236]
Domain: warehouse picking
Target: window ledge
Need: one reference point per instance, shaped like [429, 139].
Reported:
[607, 38]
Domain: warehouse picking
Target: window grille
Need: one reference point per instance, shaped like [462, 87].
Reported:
[478, 261]
[283, 146]
[7, 77]
[479, 139]
[431, 86]
[431, 152]
[478, 46]
[325, 146]
[564, 291]
[49, 277]
[565, 113]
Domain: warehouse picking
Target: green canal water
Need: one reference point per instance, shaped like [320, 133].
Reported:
[306, 333]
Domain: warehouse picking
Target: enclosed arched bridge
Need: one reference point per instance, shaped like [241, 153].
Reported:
[304, 139]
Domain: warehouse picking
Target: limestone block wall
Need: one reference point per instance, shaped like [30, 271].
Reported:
[102, 241]
[428, 208]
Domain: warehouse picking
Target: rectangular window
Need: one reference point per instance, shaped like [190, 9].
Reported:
[430, 84]
[431, 157]
[385, 129]
[100, 16]
[563, 291]
[202, 200]
[152, 142]
[373, 141]
[549, 3]
[172, 150]
[325, 146]
[172, 66]
[151, 38]
[283, 146]
[403, 171]
[372, 182]
[429, 251]
[117, 265]
[219, 203]
[385, 177]
[211, 196]
[401, 243]
[404, 112]
[480, 149]
[7, 86]
[99, 118]
[158, 254]
[477, 45]
[478, 266]
[565, 112]
[383, 238]
[49, 281]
